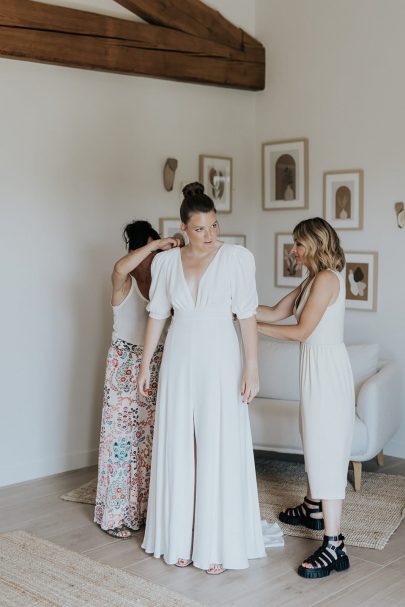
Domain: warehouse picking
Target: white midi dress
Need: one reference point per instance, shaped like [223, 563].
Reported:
[199, 396]
[327, 406]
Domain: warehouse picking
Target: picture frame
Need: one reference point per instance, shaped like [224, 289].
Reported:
[233, 239]
[343, 198]
[285, 174]
[361, 274]
[169, 226]
[287, 272]
[215, 173]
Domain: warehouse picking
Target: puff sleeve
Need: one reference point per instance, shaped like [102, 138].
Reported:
[159, 305]
[243, 283]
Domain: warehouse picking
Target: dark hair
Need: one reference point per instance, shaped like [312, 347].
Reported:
[322, 245]
[137, 233]
[195, 201]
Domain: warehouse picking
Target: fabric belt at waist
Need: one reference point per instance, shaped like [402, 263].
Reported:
[202, 314]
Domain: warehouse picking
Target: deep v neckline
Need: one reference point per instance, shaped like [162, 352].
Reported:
[195, 302]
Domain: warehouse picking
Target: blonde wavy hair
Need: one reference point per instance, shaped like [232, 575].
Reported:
[322, 245]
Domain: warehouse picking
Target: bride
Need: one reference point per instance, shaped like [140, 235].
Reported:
[203, 503]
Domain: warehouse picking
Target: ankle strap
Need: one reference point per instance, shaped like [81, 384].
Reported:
[313, 502]
[334, 538]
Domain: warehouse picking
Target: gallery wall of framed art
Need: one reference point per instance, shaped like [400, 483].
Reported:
[285, 186]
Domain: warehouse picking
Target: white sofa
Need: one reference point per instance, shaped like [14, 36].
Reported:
[274, 412]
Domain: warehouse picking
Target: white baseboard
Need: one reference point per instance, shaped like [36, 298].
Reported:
[30, 470]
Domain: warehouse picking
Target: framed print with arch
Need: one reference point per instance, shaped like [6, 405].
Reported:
[285, 174]
[343, 199]
[361, 280]
[287, 272]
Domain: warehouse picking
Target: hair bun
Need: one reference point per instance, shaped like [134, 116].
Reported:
[193, 189]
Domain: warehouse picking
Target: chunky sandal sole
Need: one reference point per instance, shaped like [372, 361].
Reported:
[340, 565]
[316, 524]
[303, 515]
[340, 562]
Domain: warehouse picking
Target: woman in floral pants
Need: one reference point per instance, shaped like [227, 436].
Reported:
[128, 418]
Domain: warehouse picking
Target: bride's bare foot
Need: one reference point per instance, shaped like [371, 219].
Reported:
[183, 562]
[215, 569]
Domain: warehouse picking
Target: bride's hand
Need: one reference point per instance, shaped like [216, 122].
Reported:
[250, 384]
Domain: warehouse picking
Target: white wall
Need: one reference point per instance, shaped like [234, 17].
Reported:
[335, 75]
[81, 154]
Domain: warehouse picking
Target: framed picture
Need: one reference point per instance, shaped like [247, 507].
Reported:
[233, 239]
[169, 226]
[361, 281]
[216, 177]
[343, 199]
[287, 272]
[285, 175]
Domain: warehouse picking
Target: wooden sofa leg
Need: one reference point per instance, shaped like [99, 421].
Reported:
[357, 466]
[380, 458]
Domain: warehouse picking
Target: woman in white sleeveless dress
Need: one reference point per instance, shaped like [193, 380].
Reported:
[128, 420]
[327, 404]
[203, 504]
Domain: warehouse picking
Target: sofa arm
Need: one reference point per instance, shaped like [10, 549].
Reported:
[379, 407]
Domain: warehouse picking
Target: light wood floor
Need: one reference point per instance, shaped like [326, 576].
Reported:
[375, 577]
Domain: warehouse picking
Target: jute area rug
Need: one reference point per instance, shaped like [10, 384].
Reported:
[370, 517]
[36, 573]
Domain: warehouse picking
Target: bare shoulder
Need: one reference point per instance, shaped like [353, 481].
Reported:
[326, 279]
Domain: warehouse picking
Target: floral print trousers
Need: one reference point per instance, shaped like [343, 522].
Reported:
[126, 439]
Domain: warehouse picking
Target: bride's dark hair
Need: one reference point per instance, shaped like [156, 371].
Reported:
[195, 201]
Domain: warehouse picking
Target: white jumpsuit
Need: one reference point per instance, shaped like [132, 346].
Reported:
[327, 405]
[199, 395]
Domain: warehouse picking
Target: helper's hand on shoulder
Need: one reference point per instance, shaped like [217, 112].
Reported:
[164, 244]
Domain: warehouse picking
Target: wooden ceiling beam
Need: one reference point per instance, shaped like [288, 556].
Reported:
[51, 34]
[41, 16]
[117, 55]
[192, 17]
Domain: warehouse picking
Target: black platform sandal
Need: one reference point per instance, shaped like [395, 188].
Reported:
[301, 515]
[326, 559]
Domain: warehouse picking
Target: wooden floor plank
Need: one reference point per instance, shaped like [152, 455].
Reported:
[82, 539]
[56, 484]
[266, 582]
[375, 577]
[121, 554]
[387, 587]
